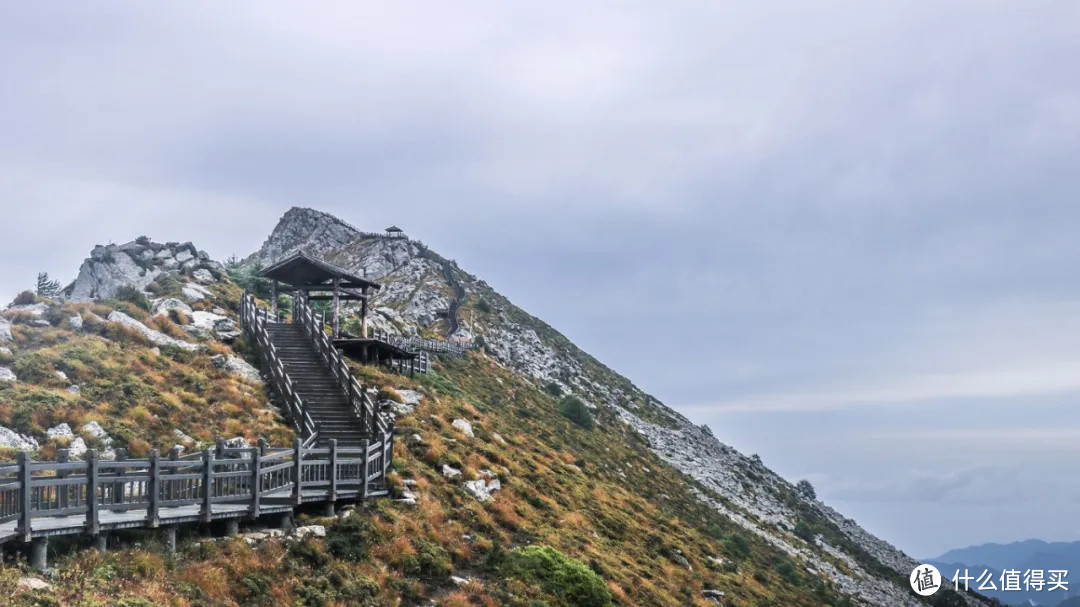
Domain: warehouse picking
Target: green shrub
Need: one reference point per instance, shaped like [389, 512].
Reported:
[25, 298]
[553, 389]
[737, 546]
[483, 306]
[567, 579]
[575, 410]
[349, 539]
[132, 295]
[804, 531]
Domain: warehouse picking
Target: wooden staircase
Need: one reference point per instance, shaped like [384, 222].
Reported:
[324, 400]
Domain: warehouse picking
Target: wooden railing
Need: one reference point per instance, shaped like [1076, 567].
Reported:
[313, 324]
[419, 344]
[254, 322]
[62, 496]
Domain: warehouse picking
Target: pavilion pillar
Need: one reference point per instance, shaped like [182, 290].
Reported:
[273, 300]
[337, 308]
[363, 314]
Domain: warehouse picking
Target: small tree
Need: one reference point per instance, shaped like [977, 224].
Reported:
[575, 410]
[46, 287]
[806, 490]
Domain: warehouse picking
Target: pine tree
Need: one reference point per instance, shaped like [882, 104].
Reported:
[46, 287]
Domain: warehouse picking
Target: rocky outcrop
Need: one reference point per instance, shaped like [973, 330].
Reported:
[135, 264]
[237, 366]
[155, 337]
[5, 330]
[313, 231]
[7, 374]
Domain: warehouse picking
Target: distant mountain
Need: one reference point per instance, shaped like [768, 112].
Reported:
[1022, 556]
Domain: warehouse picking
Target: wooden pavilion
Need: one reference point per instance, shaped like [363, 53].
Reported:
[316, 280]
[395, 232]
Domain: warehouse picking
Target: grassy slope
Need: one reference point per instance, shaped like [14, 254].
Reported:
[598, 496]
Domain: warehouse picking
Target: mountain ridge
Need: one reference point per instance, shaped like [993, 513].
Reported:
[655, 503]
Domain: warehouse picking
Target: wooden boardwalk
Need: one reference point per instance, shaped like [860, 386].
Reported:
[43, 499]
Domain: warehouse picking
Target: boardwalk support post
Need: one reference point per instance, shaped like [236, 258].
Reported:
[92, 525]
[232, 527]
[207, 485]
[25, 513]
[101, 543]
[168, 535]
[39, 553]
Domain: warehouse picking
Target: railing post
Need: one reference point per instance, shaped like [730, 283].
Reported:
[170, 488]
[366, 466]
[63, 456]
[208, 483]
[256, 476]
[298, 471]
[219, 448]
[92, 525]
[333, 470]
[25, 476]
[118, 487]
[154, 488]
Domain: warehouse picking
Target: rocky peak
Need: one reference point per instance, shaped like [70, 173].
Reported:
[315, 232]
[137, 264]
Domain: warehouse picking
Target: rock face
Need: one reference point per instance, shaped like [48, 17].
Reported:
[5, 330]
[313, 231]
[422, 291]
[7, 374]
[135, 264]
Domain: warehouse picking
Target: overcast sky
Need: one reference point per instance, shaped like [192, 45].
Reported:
[852, 229]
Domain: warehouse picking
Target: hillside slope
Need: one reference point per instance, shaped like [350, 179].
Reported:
[637, 505]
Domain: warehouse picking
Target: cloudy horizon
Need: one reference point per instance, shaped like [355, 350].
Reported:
[848, 232]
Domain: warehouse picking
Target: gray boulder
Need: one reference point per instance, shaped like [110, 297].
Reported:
[464, 426]
[36, 310]
[153, 336]
[13, 440]
[203, 275]
[60, 431]
[5, 330]
[162, 306]
[7, 374]
[76, 323]
[482, 490]
[237, 366]
[194, 292]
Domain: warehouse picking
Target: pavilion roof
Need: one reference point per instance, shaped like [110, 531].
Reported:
[303, 270]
